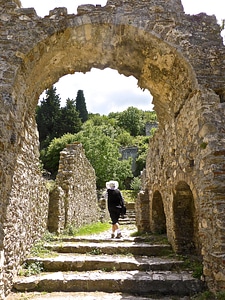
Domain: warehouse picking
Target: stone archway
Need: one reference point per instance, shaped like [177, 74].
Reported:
[157, 218]
[168, 53]
[184, 217]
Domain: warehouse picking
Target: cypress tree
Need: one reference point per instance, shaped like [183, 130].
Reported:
[70, 121]
[81, 106]
[48, 115]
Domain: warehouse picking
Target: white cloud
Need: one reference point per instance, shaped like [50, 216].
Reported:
[104, 91]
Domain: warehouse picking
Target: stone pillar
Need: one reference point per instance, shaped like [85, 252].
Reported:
[56, 211]
[142, 211]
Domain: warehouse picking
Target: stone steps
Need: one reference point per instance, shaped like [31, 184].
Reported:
[130, 216]
[88, 296]
[69, 262]
[110, 248]
[132, 282]
[129, 267]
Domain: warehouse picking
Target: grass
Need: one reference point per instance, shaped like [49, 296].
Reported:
[194, 264]
[151, 238]
[90, 229]
[39, 249]
[129, 195]
[207, 295]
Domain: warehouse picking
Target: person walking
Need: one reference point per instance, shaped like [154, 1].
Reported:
[115, 205]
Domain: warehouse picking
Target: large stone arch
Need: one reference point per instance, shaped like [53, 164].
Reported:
[168, 52]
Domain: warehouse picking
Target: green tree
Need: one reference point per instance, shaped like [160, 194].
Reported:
[142, 143]
[101, 150]
[150, 116]
[125, 139]
[132, 121]
[103, 153]
[98, 120]
[48, 115]
[70, 121]
[50, 156]
[81, 106]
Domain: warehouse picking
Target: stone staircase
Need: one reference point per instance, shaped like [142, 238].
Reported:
[98, 267]
[129, 218]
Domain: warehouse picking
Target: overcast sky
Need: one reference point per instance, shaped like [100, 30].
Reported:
[100, 94]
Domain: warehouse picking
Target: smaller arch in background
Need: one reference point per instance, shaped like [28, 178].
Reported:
[142, 211]
[184, 220]
[158, 217]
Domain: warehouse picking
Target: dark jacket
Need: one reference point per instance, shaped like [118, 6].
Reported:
[115, 198]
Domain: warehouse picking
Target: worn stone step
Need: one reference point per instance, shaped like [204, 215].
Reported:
[106, 238]
[132, 282]
[127, 217]
[69, 262]
[130, 214]
[126, 222]
[95, 239]
[88, 296]
[110, 248]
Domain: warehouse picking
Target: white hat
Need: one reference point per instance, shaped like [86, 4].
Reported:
[112, 185]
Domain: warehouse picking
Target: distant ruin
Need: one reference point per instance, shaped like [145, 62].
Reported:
[179, 58]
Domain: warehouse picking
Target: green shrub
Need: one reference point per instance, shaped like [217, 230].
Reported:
[33, 268]
[129, 195]
[136, 184]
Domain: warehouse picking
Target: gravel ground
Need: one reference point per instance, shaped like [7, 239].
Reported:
[126, 231]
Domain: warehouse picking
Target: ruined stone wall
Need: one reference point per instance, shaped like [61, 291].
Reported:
[25, 216]
[78, 202]
[195, 157]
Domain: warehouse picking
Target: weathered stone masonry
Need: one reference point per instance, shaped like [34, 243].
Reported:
[179, 58]
[74, 198]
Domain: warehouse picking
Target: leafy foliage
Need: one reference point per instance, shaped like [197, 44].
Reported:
[131, 120]
[102, 150]
[33, 268]
[53, 121]
[48, 116]
[129, 195]
[136, 184]
[102, 136]
[70, 121]
[125, 139]
[50, 157]
[142, 143]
